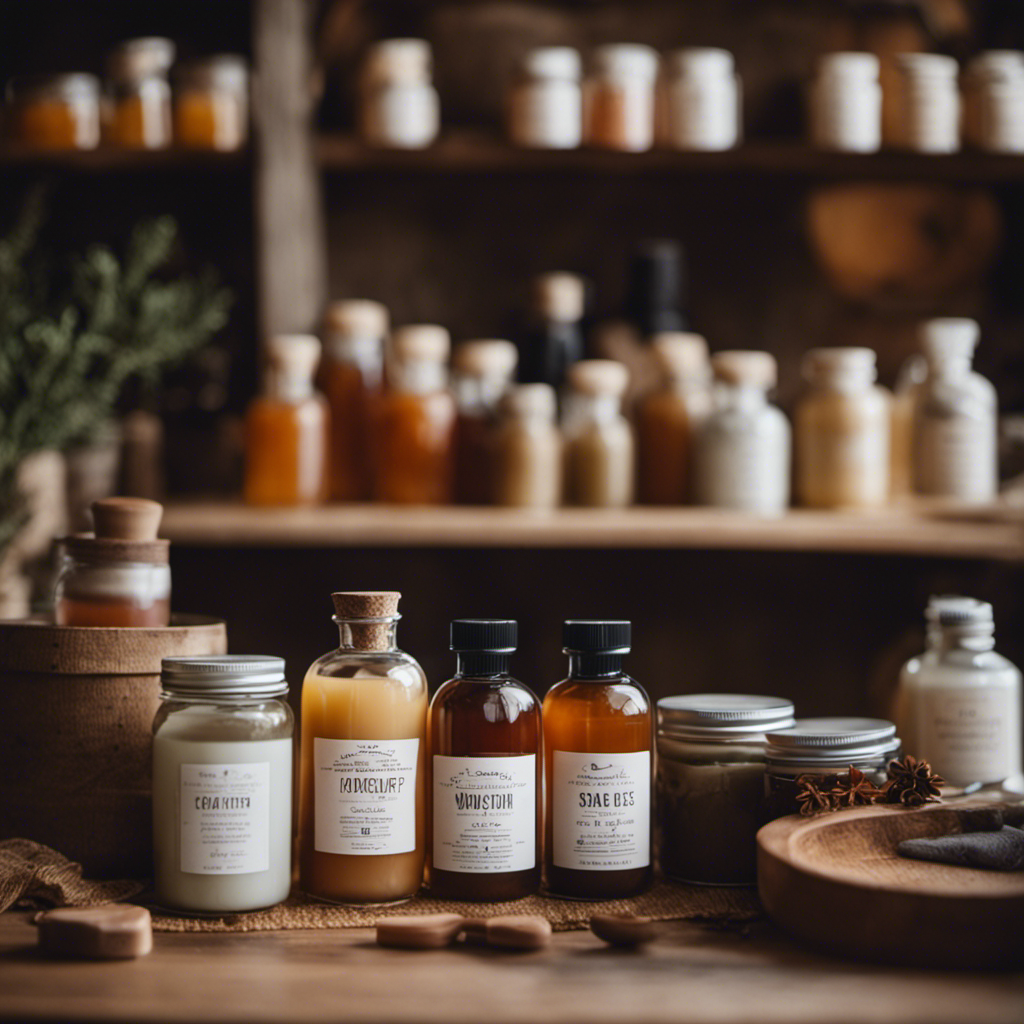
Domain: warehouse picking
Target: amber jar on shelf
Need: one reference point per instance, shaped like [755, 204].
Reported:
[54, 112]
[211, 103]
[415, 420]
[618, 99]
[352, 377]
[138, 110]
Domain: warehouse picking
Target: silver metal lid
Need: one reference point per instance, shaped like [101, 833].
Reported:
[228, 675]
[722, 714]
[839, 739]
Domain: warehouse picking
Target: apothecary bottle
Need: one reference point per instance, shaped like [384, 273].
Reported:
[955, 430]
[846, 103]
[700, 100]
[668, 418]
[485, 763]
[928, 103]
[211, 103]
[843, 427]
[399, 106]
[415, 420]
[353, 375]
[481, 373]
[222, 784]
[528, 449]
[993, 97]
[822, 749]
[287, 428]
[553, 340]
[598, 763]
[743, 445]
[619, 97]
[120, 575]
[139, 109]
[545, 101]
[911, 377]
[362, 810]
[54, 112]
[959, 703]
[599, 446]
[711, 783]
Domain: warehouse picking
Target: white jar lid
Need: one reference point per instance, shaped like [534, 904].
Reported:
[486, 357]
[702, 60]
[746, 367]
[295, 355]
[950, 337]
[953, 610]
[599, 377]
[997, 64]
[849, 64]
[398, 60]
[626, 60]
[558, 62]
[357, 318]
[927, 65]
[560, 296]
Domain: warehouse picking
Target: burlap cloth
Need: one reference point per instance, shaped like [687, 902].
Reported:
[33, 875]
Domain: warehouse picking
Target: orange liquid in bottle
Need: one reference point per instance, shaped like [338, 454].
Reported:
[138, 122]
[111, 613]
[413, 454]
[474, 461]
[51, 125]
[663, 448]
[286, 448]
[351, 402]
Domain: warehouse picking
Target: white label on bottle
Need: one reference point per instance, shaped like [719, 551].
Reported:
[601, 810]
[225, 818]
[958, 458]
[365, 796]
[969, 736]
[485, 813]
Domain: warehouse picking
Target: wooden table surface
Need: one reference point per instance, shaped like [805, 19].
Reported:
[698, 974]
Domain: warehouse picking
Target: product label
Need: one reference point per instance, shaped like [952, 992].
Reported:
[958, 458]
[225, 818]
[365, 796]
[485, 813]
[601, 810]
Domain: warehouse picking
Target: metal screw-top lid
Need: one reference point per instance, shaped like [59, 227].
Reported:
[500, 636]
[224, 675]
[953, 610]
[835, 740]
[723, 714]
[596, 636]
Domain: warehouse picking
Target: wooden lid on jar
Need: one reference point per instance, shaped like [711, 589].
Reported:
[560, 296]
[125, 531]
[376, 608]
[530, 400]
[357, 318]
[599, 377]
[681, 354]
[745, 367]
[486, 357]
[428, 342]
[294, 355]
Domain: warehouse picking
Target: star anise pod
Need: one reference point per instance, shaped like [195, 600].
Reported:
[854, 789]
[810, 798]
[912, 783]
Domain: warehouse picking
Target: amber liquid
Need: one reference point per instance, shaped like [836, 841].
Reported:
[49, 124]
[209, 120]
[111, 613]
[663, 450]
[138, 123]
[351, 402]
[413, 457]
[608, 715]
[492, 718]
[286, 447]
[474, 460]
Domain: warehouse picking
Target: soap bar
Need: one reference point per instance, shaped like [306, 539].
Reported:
[431, 931]
[995, 851]
[518, 931]
[111, 932]
[623, 929]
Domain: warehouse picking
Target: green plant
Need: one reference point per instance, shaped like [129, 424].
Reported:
[74, 332]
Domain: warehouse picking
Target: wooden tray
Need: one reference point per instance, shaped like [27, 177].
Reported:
[837, 881]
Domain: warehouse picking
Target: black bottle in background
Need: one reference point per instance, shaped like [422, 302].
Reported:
[656, 288]
[553, 340]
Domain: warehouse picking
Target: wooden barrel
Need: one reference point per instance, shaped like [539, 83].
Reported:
[76, 713]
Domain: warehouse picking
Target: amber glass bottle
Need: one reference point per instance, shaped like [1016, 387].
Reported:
[287, 428]
[597, 754]
[485, 746]
[415, 421]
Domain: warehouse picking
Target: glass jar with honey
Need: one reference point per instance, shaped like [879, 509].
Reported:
[54, 112]
[211, 103]
[138, 113]
[287, 428]
[415, 420]
[352, 376]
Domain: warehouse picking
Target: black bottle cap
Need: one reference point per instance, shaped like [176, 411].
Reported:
[596, 636]
[485, 635]
[656, 290]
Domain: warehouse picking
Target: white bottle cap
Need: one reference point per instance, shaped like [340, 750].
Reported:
[702, 60]
[849, 64]
[745, 367]
[525, 400]
[294, 355]
[949, 337]
[626, 60]
[829, 361]
[953, 610]
[138, 59]
[927, 65]
[357, 318]
[398, 60]
[681, 354]
[598, 377]
[560, 296]
[558, 62]
[486, 357]
[428, 342]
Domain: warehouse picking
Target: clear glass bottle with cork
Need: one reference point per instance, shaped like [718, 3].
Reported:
[668, 417]
[619, 98]
[118, 576]
[959, 703]
[139, 111]
[599, 447]
[485, 744]
[415, 422]
[353, 375]
[287, 428]
[545, 101]
[528, 448]
[598, 763]
[481, 373]
[399, 106]
[743, 446]
[843, 427]
[955, 428]
[554, 338]
[362, 759]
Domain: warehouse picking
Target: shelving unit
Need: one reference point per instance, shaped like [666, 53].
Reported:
[108, 160]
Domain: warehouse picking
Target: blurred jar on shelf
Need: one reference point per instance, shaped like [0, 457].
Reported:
[211, 103]
[993, 97]
[743, 445]
[908, 386]
[843, 429]
[599, 440]
[955, 428]
[545, 101]
[528, 449]
[668, 418]
[287, 428]
[700, 106]
[415, 421]
[399, 106]
[927, 103]
[352, 377]
[481, 373]
[619, 98]
[846, 103]
[138, 114]
[553, 339]
[54, 112]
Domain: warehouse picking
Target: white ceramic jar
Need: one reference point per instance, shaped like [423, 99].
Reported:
[994, 101]
[928, 119]
[700, 100]
[545, 103]
[846, 103]
[619, 98]
[400, 108]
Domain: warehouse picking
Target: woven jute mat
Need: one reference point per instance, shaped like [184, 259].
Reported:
[665, 901]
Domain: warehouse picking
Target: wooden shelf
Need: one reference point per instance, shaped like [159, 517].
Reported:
[892, 532]
[107, 159]
[468, 152]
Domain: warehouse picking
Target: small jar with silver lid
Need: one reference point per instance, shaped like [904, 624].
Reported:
[710, 783]
[822, 749]
[222, 784]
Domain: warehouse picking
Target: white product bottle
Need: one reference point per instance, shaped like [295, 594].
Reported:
[701, 100]
[743, 446]
[955, 430]
[846, 103]
[929, 103]
[994, 101]
[399, 106]
[545, 108]
[959, 703]
[619, 98]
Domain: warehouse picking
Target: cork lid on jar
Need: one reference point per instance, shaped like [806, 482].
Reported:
[757, 369]
[367, 616]
[486, 357]
[680, 354]
[294, 355]
[125, 531]
[398, 61]
[138, 59]
[357, 318]
[626, 60]
[427, 342]
[599, 377]
[949, 337]
[527, 401]
[560, 296]
[826, 363]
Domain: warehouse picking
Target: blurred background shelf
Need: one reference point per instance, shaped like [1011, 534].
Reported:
[109, 159]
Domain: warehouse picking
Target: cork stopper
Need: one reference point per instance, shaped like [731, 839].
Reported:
[599, 377]
[758, 369]
[357, 318]
[127, 518]
[486, 357]
[530, 400]
[137, 59]
[680, 354]
[827, 363]
[560, 296]
[294, 355]
[367, 604]
[427, 342]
